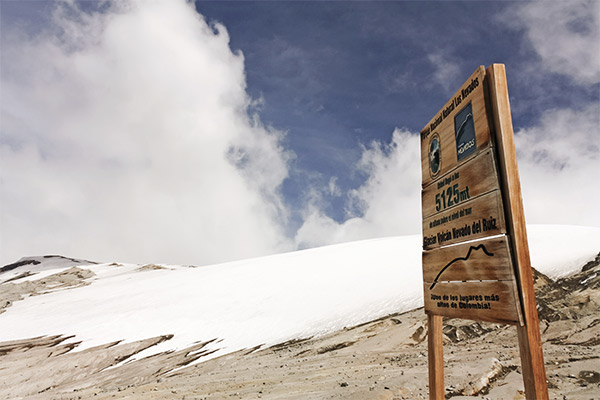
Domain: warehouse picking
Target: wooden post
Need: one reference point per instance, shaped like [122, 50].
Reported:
[435, 354]
[530, 346]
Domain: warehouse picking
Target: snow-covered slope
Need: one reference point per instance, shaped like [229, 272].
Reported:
[246, 303]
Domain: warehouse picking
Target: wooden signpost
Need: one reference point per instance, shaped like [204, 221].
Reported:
[475, 253]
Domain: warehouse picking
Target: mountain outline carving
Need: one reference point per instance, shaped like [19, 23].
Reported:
[471, 248]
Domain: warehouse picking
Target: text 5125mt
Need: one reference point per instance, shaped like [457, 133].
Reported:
[451, 197]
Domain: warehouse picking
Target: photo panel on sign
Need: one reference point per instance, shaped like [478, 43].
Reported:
[457, 132]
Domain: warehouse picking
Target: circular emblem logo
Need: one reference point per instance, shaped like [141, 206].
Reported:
[435, 155]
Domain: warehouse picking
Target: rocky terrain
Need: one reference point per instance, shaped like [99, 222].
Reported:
[382, 359]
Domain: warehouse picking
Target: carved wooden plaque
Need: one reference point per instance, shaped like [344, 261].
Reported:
[473, 280]
[457, 132]
[462, 209]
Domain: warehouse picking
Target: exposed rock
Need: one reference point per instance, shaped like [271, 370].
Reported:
[18, 264]
[151, 267]
[36, 261]
[69, 279]
[334, 347]
[457, 330]
[589, 376]
[420, 333]
[592, 264]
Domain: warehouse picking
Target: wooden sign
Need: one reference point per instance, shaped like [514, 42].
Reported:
[467, 182]
[479, 301]
[475, 254]
[487, 259]
[473, 280]
[462, 200]
[457, 132]
[477, 218]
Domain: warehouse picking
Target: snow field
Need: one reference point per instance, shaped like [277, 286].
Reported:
[265, 300]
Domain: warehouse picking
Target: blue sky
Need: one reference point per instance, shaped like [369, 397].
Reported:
[224, 130]
[335, 75]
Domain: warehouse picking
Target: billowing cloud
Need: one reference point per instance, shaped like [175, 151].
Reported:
[334, 189]
[126, 134]
[564, 34]
[559, 157]
[446, 71]
[559, 164]
[387, 204]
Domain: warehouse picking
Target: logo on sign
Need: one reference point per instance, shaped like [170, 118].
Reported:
[464, 132]
[435, 155]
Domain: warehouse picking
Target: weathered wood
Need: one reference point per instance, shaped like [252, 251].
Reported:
[446, 127]
[532, 359]
[487, 259]
[470, 180]
[494, 301]
[477, 218]
[435, 355]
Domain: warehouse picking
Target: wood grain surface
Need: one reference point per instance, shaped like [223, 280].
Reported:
[532, 358]
[476, 300]
[477, 218]
[435, 357]
[472, 179]
[487, 259]
[443, 125]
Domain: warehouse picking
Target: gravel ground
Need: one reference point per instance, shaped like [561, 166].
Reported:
[383, 359]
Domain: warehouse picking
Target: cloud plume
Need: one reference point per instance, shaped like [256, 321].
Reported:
[564, 34]
[559, 163]
[387, 204]
[127, 134]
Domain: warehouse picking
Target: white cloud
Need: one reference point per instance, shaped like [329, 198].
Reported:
[334, 189]
[565, 35]
[559, 158]
[126, 136]
[559, 164]
[387, 204]
[446, 71]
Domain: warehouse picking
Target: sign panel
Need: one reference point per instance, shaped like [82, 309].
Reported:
[457, 132]
[476, 218]
[468, 181]
[481, 301]
[487, 259]
[483, 268]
